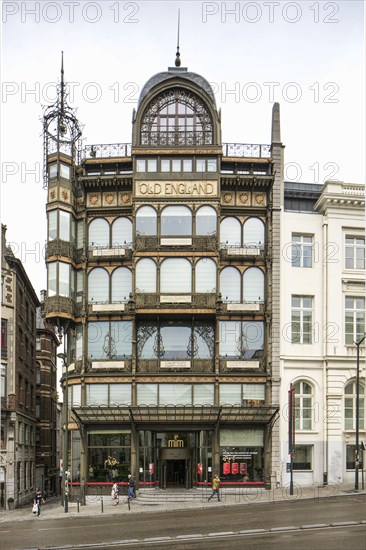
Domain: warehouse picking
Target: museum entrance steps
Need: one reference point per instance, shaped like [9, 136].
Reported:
[153, 496]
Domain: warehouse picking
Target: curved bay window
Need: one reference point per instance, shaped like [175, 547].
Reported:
[175, 342]
[176, 117]
[109, 340]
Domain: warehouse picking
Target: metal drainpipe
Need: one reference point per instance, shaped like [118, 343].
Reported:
[325, 347]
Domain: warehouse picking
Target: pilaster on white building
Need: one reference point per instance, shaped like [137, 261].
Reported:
[323, 314]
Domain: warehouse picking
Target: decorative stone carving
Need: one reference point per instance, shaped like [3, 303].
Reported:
[94, 199]
[244, 198]
[124, 198]
[228, 198]
[65, 195]
[109, 198]
[259, 199]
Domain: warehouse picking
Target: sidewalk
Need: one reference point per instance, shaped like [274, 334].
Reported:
[53, 509]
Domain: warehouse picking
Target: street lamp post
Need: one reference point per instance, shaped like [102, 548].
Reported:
[357, 451]
[66, 440]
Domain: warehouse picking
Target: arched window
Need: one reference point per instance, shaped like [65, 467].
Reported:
[230, 283]
[350, 406]
[176, 276]
[98, 285]
[230, 232]
[253, 232]
[206, 275]
[176, 117]
[99, 232]
[206, 221]
[146, 276]
[121, 284]
[253, 283]
[146, 221]
[121, 232]
[176, 220]
[303, 406]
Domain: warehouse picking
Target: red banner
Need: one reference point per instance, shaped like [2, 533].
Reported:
[226, 468]
[199, 469]
[243, 468]
[151, 469]
[235, 468]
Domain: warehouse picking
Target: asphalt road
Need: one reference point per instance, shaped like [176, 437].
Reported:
[214, 527]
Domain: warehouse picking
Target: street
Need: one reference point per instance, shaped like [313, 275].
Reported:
[310, 524]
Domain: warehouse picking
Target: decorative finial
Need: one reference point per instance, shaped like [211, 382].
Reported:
[177, 59]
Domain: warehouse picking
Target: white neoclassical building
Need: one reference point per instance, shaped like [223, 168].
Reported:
[323, 314]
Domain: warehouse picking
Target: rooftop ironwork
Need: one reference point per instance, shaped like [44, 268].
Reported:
[124, 150]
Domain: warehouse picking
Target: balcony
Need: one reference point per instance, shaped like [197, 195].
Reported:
[186, 301]
[55, 306]
[198, 243]
[234, 252]
[57, 247]
[246, 150]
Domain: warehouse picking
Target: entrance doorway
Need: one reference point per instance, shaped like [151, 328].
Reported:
[175, 473]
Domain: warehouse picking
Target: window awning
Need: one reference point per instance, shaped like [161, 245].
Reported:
[180, 414]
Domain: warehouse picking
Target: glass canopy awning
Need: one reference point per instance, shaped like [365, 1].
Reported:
[188, 414]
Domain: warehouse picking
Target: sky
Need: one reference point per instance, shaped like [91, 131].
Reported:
[307, 55]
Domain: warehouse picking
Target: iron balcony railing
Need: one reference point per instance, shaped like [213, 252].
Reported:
[166, 139]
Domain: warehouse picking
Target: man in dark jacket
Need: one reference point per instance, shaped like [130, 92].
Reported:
[38, 498]
[131, 487]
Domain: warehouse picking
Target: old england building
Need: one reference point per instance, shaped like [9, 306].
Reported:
[163, 276]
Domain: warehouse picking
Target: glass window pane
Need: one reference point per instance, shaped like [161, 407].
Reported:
[98, 340]
[120, 394]
[253, 282]
[98, 286]
[176, 276]
[230, 232]
[147, 394]
[230, 339]
[97, 394]
[176, 220]
[253, 232]
[146, 276]
[211, 165]
[175, 342]
[204, 334]
[52, 225]
[252, 339]
[146, 221]
[120, 339]
[187, 165]
[176, 165]
[254, 391]
[200, 165]
[230, 394]
[64, 225]
[206, 221]
[140, 165]
[64, 279]
[121, 232]
[99, 233]
[175, 394]
[80, 234]
[52, 278]
[165, 165]
[230, 284]
[53, 170]
[64, 171]
[203, 394]
[148, 341]
[205, 275]
[121, 284]
[152, 165]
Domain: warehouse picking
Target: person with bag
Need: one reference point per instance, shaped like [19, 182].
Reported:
[38, 499]
[115, 496]
[215, 488]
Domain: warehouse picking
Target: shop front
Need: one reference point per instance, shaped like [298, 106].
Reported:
[174, 453]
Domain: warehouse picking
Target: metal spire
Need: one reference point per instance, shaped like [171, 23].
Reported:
[62, 89]
[177, 59]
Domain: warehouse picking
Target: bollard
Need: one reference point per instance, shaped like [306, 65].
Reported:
[77, 505]
[101, 500]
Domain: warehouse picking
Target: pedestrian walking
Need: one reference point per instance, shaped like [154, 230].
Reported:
[115, 496]
[215, 488]
[131, 487]
[38, 499]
